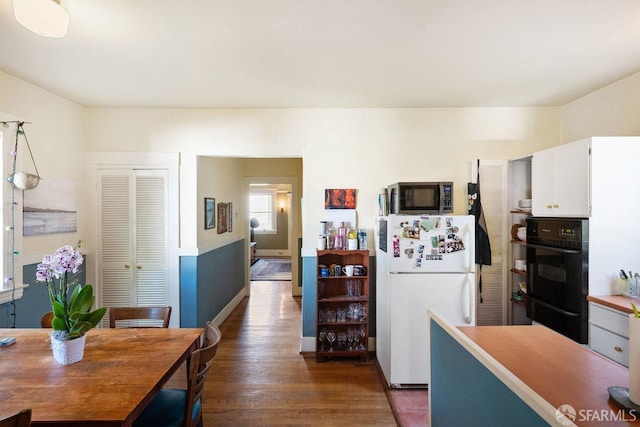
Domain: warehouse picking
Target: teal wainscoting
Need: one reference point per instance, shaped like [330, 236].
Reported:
[34, 302]
[463, 392]
[208, 282]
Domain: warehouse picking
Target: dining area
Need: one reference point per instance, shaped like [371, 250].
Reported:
[118, 382]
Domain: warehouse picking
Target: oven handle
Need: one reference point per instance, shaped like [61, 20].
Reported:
[551, 248]
[553, 307]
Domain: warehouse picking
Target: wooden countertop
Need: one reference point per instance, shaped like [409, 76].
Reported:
[558, 369]
[617, 302]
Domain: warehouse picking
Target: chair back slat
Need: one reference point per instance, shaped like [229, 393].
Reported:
[140, 316]
[200, 362]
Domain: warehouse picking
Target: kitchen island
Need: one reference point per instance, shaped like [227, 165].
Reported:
[519, 375]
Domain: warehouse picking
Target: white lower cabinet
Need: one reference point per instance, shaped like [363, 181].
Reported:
[609, 333]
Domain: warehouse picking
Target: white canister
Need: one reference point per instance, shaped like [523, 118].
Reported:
[323, 228]
[322, 243]
[352, 244]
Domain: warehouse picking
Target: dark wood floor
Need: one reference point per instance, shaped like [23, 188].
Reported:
[259, 377]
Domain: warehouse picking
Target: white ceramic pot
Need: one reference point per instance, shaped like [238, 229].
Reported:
[68, 352]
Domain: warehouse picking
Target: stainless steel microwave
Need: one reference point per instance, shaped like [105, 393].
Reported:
[416, 198]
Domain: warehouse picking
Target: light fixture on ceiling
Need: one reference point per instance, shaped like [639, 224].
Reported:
[44, 17]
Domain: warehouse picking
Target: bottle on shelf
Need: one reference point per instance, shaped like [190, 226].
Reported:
[341, 238]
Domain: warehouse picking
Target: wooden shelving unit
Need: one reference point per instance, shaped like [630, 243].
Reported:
[342, 306]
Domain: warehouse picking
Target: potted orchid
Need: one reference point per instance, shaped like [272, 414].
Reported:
[71, 303]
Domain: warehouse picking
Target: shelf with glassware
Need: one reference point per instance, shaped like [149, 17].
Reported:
[342, 326]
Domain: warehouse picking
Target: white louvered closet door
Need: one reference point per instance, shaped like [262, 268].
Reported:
[493, 190]
[133, 236]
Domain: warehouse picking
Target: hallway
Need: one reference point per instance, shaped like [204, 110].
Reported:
[259, 377]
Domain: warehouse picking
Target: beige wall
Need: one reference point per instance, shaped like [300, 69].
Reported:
[613, 110]
[57, 138]
[221, 179]
[341, 148]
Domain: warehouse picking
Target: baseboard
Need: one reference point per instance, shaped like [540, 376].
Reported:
[273, 253]
[226, 311]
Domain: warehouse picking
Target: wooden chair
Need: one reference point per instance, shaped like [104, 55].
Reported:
[21, 419]
[45, 321]
[176, 407]
[162, 314]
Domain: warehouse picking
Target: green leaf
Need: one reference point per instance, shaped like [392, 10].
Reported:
[58, 309]
[80, 327]
[58, 324]
[81, 300]
[96, 316]
[635, 311]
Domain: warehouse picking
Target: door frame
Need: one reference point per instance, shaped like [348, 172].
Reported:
[125, 160]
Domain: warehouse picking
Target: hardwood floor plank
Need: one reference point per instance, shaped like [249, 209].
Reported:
[259, 377]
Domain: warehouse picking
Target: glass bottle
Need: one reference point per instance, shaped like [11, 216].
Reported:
[341, 239]
[331, 238]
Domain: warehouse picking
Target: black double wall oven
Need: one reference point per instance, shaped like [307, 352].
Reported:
[557, 275]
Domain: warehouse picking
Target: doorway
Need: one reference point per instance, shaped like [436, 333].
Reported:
[276, 236]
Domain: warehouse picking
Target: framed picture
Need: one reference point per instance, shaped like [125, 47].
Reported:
[223, 217]
[209, 213]
[230, 215]
[344, 198]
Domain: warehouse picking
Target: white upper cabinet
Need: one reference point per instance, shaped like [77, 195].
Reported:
[561, 181]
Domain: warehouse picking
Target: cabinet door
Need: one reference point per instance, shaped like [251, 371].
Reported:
[560, 180]
[571, 180]
[542, 193]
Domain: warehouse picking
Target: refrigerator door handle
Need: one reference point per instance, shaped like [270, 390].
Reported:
[467, 306]
[469, 238]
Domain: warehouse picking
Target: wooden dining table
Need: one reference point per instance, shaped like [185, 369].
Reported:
[122, 370]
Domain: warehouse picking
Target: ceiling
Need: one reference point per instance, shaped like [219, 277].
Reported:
[328, 53]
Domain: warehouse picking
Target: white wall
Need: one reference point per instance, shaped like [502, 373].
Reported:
[613, 110]
[364, 149]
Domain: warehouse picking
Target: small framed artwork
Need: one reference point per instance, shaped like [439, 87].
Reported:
[223, 220]
[230, 216]
[209, 213]
[340, 198]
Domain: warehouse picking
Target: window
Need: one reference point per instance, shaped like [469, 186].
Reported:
[262, 206]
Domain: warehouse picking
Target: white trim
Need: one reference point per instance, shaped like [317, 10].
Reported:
[8, 295]
[228, 309]
[543, 408]
[205, 248]
[273, 252]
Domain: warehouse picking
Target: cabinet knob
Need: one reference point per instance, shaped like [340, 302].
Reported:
[139, 267]
[618, 349]
[549, 207]
[556, 206]
[126, 266]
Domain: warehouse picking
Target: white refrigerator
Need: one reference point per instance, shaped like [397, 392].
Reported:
[422, 262]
